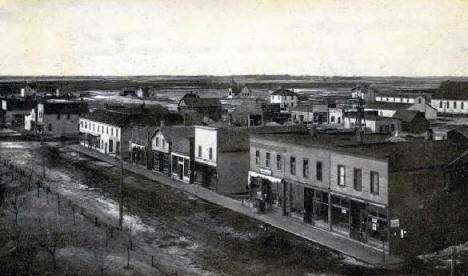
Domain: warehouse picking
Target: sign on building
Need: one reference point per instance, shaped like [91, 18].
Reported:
[394, 223]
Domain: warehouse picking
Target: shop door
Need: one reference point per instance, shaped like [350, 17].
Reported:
[359, 216]
[181, 168]
[308, 204]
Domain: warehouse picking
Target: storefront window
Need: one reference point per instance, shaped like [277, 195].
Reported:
[377, 225]
[320, 208]
[340, 214]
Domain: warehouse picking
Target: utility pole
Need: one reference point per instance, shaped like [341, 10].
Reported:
[121, 193]
[42, 154]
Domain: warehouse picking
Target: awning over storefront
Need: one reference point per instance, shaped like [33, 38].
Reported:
[256, 174]
[357, 199]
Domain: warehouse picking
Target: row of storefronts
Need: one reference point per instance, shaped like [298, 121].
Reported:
[361, 220]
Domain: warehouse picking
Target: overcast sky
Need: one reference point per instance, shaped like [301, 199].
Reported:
[191, 37]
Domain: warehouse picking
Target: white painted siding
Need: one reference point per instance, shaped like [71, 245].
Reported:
[105, 132]
[206, 138]
[160, 143]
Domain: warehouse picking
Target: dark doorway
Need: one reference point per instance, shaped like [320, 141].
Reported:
[358, 221]
[308, 205]
[181, 171]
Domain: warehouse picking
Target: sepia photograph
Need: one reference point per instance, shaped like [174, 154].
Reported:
[234, 137]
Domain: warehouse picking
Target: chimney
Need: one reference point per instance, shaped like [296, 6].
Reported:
[161, 123]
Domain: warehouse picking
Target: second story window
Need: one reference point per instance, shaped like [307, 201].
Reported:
[462, 105]
[292, 162]
[58, 116]
[455, 105]
[319, 171]
[440, 104]
[341, 175]
[210, 154]
[112, 131]
[257, 157]
[305, 168]
[448, 105]
[267, 159]
[199, 151]
[278, 162]
[68, 116]
[157, 142]
[374, 179]
[357, 180]
[163, 143]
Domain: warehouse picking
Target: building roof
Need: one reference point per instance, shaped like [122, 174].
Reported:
[248, 107]
[283, 92]
[239, 89]
[125, 120]
[179, 136]
[189, 95]
[412, 155]
[369, 116]
[452, 90]
[232, 139]
[462, 129]
[407, 93]
[141, 134]
[388, 106]
[311, 108]
[64, 107]
[200, 102]
[173, 132]
[407, 115]
[363, 87]
[19, 104]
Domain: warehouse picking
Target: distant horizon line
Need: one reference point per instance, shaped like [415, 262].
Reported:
[234, 75]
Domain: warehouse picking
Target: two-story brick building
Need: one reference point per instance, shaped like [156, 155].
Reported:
[362, 191]
[222, 155]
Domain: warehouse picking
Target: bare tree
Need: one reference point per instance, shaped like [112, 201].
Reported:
[101, 251]
[129, 232]
[24, 245]
[55, 234]
[15, 203]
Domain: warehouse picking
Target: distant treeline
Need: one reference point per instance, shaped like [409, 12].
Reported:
[12, 84]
